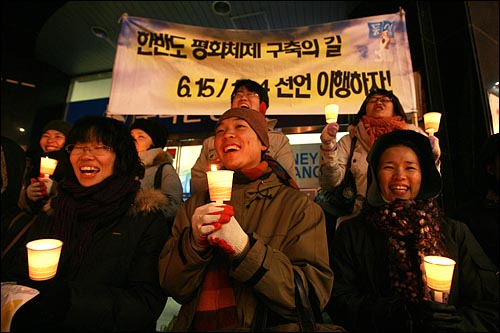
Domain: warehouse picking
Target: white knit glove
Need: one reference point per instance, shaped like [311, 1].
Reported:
[328, 136]
[206, 219]
[230, 238]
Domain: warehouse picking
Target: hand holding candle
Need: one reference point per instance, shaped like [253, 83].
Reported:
[431, 122]
[220, 184]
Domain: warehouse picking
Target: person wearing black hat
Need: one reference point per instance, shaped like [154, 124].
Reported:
[51, 144]
[224, 259]
[378, 255]
[150, 139]
[249, 95]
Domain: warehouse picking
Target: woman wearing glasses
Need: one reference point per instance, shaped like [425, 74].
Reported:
[112, 233]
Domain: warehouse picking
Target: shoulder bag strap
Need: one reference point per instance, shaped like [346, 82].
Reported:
[303, 305]
[158, 175]
[353, 145]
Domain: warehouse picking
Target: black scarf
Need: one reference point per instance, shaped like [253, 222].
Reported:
[412, 228]
[79, 211]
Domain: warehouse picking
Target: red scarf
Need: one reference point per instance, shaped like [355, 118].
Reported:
[216, 309]
[375, 127]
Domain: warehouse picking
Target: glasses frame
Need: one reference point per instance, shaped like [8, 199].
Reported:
[241, 94]
[91, 149]
[385, 100]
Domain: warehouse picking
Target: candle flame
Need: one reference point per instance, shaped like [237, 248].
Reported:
[213, 167]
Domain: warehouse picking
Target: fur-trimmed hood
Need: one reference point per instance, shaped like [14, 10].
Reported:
[148, 200]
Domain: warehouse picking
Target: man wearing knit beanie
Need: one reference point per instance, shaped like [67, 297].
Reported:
[218, 248]
[156, 132]
[256, 121]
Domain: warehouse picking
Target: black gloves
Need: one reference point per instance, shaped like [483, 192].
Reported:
[45, 311]
[439, 317]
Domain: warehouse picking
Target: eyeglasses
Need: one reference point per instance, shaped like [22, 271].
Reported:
[94, 150]
[381, 99]
[241, 94]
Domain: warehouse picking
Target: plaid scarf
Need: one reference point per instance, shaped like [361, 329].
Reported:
[412, 228]
[217, 305]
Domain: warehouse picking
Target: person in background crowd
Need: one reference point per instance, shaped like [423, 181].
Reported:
[378, 255]
[481, 212]
[246, 94]
[13, 165]
[150, 139]
[223, 259]
[381, 112]
[34, 192]
[112, 233]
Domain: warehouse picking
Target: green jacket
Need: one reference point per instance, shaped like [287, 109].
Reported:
[290, 234]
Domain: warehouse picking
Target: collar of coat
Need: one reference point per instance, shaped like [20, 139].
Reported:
[147, 200]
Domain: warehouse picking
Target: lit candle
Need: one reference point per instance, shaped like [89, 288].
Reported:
[220, 184]
[331, 113]
[47, 166]
[43, 258]
[439, 274]
[431, 122]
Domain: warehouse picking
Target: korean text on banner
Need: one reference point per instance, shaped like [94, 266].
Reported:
[164, 68]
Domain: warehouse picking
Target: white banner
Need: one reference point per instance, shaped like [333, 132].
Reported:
[164, 68]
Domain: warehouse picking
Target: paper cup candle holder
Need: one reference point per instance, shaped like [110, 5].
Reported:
[43, 258]
[439, 275]
[220, 184]
[331, 113]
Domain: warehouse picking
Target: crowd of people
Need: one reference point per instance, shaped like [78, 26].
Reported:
[130, 241]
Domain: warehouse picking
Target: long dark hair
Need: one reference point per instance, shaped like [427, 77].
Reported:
[112, 133]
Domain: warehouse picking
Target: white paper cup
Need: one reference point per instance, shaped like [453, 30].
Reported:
[47, 165]
[431, 122]
[43, 258]
[439, 272]
[220, 184]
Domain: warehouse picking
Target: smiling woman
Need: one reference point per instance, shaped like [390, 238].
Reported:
[99, 206]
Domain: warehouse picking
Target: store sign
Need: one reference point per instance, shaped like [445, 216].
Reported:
[307, 158]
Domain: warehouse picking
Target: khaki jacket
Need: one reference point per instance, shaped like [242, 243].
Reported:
[288, 233]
